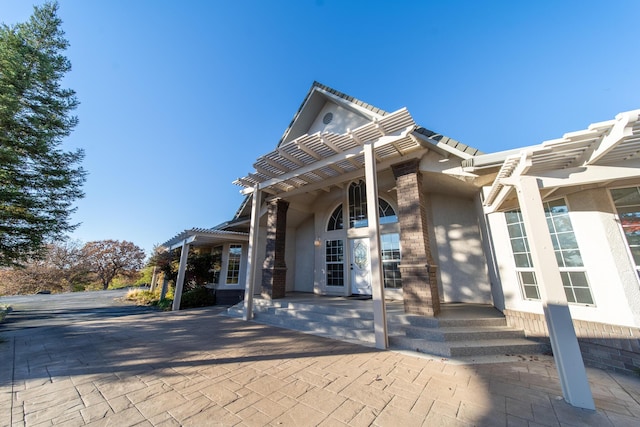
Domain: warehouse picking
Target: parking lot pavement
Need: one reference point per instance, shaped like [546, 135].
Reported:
[200, 368]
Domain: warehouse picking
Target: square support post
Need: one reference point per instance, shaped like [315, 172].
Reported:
[377, 277]
[252, 265]
[154, 279]
[566, 351]
[184, 255]
[417, 268]
[274, 268]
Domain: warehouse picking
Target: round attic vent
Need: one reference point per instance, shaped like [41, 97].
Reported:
[327, 118]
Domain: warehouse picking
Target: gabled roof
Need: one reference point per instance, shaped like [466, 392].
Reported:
[304, 159]
[321, 92]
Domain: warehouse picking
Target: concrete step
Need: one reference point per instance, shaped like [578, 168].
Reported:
[317, 327]
[314, 316]
[463, 333]
[342, 311]
[440, 322]
[468, 348]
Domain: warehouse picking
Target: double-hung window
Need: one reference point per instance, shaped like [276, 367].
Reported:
[565, 246]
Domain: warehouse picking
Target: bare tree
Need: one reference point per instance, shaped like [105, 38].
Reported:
[109, 258]
[60, 268]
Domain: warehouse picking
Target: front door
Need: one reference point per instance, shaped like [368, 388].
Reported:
[360, 267]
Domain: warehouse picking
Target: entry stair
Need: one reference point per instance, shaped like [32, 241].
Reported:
[466, 332]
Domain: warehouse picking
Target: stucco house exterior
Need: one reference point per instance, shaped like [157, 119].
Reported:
[356, 200]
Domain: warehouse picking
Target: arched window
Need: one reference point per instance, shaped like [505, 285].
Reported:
[386, 212]
[335, 222]
[358, 207]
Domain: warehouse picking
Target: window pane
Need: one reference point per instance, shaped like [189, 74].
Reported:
[567, 240]
[562, 223]
[233, 264]
[522, 260]
[531, 292]
[515, 230]
[335, 275]
[513, 217]
[635, 251]
[528, 277]
[335, 222]
[518, 245]
[334, 256]
[569, 293]
[583, 295]
[626, 196]
[572, 258]
[578, 279]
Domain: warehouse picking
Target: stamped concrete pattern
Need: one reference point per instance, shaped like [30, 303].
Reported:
[200, 368]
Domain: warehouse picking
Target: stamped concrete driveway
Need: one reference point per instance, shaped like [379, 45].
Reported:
[30, 311]
[106, 365]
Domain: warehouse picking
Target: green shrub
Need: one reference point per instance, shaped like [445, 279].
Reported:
[198, 297]
[143, 297]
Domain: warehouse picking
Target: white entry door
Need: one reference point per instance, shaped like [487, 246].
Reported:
[360, 267]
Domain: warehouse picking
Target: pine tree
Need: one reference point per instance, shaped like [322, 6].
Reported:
[39, 181]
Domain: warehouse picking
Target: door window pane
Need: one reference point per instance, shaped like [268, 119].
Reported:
[334, 258]
[391, 260]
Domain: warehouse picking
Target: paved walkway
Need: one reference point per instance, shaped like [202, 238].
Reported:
[199, 368]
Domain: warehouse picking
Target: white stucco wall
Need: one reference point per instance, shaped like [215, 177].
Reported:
[611, 273]
[342, 120]
[506, 268]
[462, 266]
[304, 253]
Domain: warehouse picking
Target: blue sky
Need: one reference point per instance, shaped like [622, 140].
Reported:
[178, 98]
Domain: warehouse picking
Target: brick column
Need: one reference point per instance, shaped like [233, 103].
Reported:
[274, 268]
[419, 284]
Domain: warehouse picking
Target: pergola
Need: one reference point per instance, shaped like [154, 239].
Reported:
[195, 237]
[604, 153]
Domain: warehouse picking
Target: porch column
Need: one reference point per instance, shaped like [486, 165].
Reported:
[418, 271]
[274, 268]
[252, 265]
[154, 279]
[165, 286]
[181, 273]
[566, 351]
[377, 277]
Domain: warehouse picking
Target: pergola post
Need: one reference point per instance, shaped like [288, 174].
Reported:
[377, 277]
[252, 265]
[566, 351]
[154, 279]
[165, 286]
[181, 273]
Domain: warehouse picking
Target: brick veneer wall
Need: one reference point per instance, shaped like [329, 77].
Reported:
[604, 346]
[274, 267]
[418, 271]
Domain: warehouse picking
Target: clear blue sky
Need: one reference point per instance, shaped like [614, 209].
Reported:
[178, 98]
